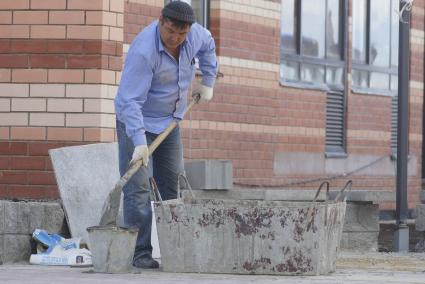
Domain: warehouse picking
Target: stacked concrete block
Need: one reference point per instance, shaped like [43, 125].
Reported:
[420, 223]
[18, 220]
[210, 174]
[420, 217]
[361, 227]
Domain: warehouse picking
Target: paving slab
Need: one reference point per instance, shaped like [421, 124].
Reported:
[377, 268]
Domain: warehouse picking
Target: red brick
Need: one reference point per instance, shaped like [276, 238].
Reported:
[4, 46]
[27, 163]
[52, 192]
[93, 46]
[13, 177]
[4, 163]
[4, 191]
[119, 49]
[65, 46]
[13, 148]
[41, 178]
[87, 61]
[49, 165]
[47, 61]
[28, 46]
[115, 63]
[13, 61]
[42, 148]
[100, 47]
[27, 192]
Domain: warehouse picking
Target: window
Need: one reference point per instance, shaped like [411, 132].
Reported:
[375, 45]
[201, 10]
[312, 42]
[312, 54]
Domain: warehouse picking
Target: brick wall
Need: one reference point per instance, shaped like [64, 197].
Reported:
[417, 77]
[252, 118]
[60, 62]
[138, 14]
[369, 118]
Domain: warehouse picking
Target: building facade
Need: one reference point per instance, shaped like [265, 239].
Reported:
[308, 89]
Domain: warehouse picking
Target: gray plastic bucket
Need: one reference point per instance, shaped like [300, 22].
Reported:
[112, 248]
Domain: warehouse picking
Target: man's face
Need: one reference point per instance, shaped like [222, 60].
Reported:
[171, 35]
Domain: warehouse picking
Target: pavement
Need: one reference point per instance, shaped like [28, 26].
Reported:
[356, 268]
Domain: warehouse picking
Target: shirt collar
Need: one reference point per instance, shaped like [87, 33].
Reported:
[158, 39]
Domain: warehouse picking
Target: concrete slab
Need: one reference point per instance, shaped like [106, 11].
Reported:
[85, 175]
[37, 217]
[18, 220]
[288, 163]
[16, 247]
[209, 174]
[420, 217]
[361, 218]
[360, 241]
[53, 219]
[11, 217]
[373, 196]
[2, 249]
[2, 217]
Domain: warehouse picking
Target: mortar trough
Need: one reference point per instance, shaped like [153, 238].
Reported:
[250, 236]
[112, 248]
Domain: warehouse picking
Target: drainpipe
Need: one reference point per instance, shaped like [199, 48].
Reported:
[401, 235]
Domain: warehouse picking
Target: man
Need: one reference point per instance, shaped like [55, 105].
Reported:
[159, 68]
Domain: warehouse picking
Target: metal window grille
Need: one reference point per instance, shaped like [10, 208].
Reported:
[335, 106]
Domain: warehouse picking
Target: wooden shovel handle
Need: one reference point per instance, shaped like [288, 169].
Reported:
[158, 140]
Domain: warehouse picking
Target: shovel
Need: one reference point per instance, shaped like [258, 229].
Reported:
[112, 202]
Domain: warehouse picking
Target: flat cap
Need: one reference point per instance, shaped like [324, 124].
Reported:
[180, 11]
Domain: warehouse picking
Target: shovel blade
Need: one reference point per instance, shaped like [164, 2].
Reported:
[110, 208]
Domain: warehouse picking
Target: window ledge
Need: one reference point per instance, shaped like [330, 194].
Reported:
[309, 86]
[335, 155]
[372, 92]
[304, 85]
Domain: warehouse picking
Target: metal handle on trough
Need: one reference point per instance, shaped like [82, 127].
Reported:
[155, 192]
[310, 210]
[319, 189]
[348, 185]
[183, 176]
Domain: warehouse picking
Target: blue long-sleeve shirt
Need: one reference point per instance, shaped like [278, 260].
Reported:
[154, 86]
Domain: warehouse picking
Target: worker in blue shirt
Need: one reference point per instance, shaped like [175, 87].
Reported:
[153, 91]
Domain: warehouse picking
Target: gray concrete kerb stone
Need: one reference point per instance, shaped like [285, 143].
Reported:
[420, 217]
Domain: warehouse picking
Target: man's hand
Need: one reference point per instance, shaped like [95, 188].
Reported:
[141, 152]
[206, 94]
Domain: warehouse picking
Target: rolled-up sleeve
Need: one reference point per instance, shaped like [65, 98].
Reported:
[208, 59]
